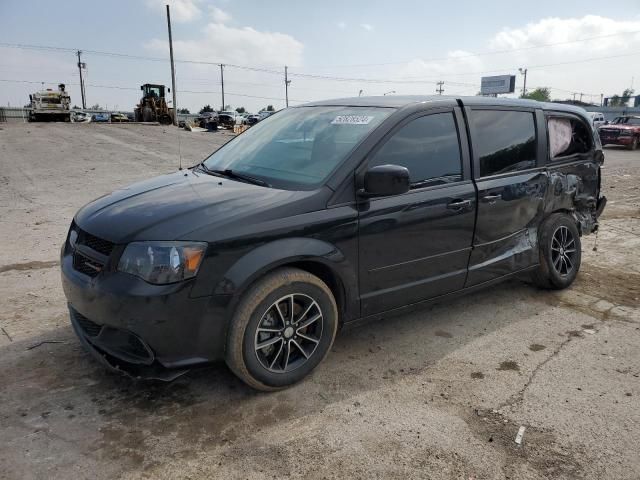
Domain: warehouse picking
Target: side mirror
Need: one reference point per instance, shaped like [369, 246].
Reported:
[385, 180]
[168, 90]
[142, 87]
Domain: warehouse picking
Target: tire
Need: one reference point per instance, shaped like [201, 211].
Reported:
[165, 119]
[147, 114]
[266, 304]
[560, 252]
[634, 144]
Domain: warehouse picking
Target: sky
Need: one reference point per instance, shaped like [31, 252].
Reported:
[332, 48]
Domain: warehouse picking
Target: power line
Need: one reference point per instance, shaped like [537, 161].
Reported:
[493, 52]
[270, 70]
[118, 87]
[404, 80]
[506, 69]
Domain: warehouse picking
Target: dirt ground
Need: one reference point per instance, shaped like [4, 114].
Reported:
[439, 393]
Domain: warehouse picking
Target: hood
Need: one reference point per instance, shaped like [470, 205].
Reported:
[619, 126]
[172, 206]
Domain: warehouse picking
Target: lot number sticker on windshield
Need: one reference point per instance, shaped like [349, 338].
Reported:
[352, 120]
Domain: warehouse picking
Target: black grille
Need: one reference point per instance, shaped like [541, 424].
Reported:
[81, 262]
[98, 244]
[90, 328]
[609, 133]
[86, 265]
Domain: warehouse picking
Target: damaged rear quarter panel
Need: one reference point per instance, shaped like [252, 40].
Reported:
[574, 186]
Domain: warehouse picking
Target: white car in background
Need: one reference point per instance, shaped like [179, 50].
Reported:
[597, 119]
[80, 117]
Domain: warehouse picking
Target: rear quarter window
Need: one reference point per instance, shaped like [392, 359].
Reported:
[568, 136]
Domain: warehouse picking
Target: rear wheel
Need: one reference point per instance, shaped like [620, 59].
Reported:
[282, 329]
[560, 252]
[165, 119]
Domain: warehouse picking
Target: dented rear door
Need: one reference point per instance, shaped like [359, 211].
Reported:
[511, 180]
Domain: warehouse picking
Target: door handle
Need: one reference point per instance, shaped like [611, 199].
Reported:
[459, 204]
[491, 198]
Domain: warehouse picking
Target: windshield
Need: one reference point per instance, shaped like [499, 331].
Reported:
[299, 147]
[627, 120]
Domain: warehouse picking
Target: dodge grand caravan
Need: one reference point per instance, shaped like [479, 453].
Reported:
[325, 214]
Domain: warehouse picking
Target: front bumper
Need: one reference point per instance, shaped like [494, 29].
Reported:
[141, 329]
[619, 140]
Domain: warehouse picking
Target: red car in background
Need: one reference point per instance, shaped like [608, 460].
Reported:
[622, 131]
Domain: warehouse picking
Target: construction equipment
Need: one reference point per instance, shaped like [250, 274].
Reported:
[153, 106]
[49, 105]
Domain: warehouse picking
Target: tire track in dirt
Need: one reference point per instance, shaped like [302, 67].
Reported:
[35, 265]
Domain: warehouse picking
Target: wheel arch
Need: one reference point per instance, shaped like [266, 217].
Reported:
[314, 256]
[570, 213]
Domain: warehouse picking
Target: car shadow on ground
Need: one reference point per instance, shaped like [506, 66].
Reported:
[47, 388]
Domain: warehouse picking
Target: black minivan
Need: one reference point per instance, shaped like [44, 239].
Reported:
[325, 214]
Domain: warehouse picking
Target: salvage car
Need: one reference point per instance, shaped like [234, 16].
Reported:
[622, 131]
[227, 118]
[119, 117]
[100, 117]
[324, 215]
[252, 120]
[80, 117]
[597, 119]
[208, 120]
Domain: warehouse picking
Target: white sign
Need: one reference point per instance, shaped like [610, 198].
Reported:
[352, 120]
[498, 84]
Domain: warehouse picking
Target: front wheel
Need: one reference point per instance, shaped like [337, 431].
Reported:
[560, 252]
[634, 144]
[283, 328]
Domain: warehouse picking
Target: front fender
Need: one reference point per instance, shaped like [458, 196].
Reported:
[270, 256]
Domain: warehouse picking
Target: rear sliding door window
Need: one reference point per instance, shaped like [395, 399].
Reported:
[428, 147]
[505, 141]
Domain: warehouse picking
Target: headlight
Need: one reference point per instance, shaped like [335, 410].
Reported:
[162, 262]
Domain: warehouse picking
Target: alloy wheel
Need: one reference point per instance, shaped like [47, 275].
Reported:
[563, 251]
[288, 333]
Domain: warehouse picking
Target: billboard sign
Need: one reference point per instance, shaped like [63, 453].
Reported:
[497, 84]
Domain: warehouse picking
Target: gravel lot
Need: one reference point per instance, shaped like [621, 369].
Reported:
[439, 393]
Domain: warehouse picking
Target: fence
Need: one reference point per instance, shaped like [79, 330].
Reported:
[20, 114]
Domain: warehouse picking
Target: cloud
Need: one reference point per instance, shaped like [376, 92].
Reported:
[556, 66]
[218, 15]
[181, 10]
[368, 27]
[566, 30]
[243, 46]
[341, 25]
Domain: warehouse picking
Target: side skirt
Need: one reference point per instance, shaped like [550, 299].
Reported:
[446, 297]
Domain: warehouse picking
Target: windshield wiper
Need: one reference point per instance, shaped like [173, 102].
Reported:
[227, 172]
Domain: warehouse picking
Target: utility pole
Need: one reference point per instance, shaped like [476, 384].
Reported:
[286, 86]
[80, 67]
[439, 90]
[173, 70]
[574, 96]
[222, 84]
[524, 71]
[602, 99]
[581, 96]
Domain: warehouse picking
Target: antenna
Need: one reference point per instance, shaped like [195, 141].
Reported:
[179, 150]
[178, 133]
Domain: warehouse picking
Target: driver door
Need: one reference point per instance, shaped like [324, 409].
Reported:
[416, 246]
